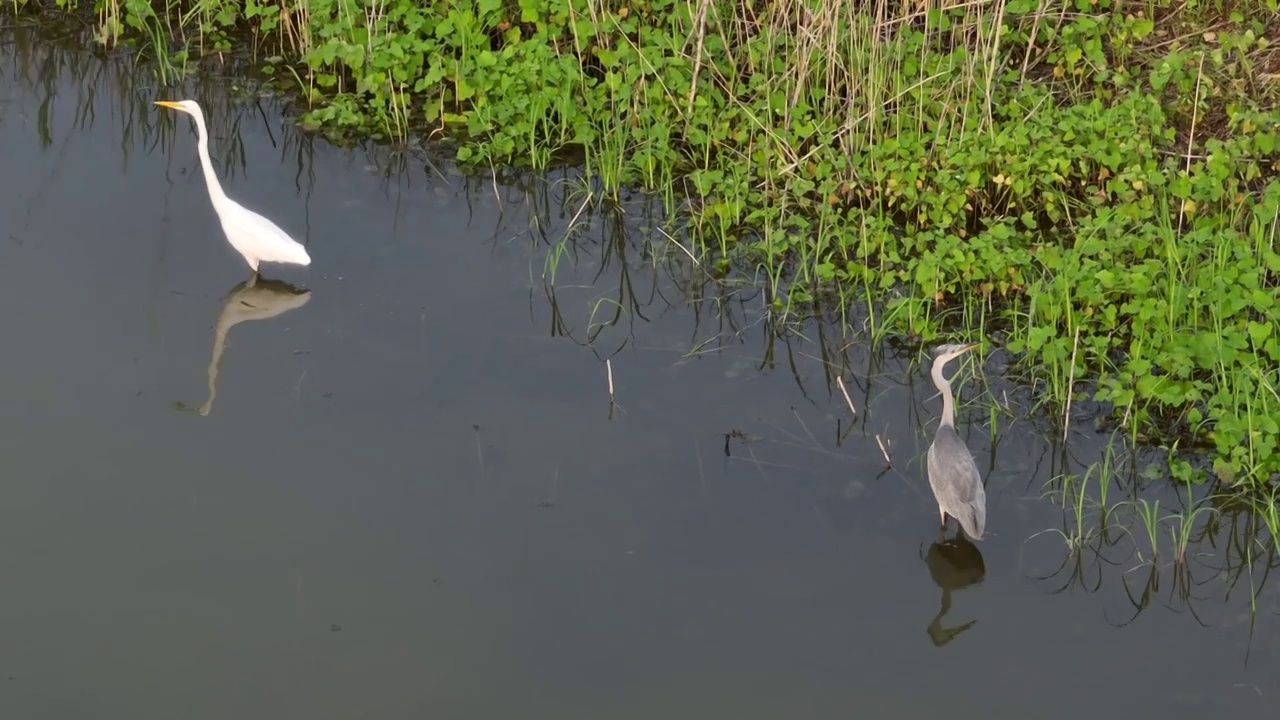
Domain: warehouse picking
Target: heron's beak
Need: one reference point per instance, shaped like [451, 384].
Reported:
[166, 103]
[969, 347]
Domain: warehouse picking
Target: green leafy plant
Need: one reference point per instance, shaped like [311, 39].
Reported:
[1094, 184]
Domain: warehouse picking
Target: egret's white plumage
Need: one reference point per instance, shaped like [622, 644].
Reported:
[255, 237]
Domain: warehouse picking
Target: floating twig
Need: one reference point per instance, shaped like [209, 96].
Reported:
[885, 446]
[840, 383]
[613, 403]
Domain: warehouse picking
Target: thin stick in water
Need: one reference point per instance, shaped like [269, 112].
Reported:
[608, 366]
[885, 446]
[840, 383]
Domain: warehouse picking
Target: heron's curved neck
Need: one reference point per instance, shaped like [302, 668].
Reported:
[206, 164]
[944, 387]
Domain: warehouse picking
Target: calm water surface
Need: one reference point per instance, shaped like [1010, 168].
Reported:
[406, 495]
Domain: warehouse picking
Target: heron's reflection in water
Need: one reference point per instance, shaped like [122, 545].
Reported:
[954, 564]
[257, 298]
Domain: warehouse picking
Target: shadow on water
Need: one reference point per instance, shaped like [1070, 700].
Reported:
[954, 564]
[257, 298]
[414, 495]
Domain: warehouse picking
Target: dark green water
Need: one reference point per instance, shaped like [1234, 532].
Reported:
[408, 498]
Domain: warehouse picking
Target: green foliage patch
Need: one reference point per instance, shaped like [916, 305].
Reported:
[1092, 182]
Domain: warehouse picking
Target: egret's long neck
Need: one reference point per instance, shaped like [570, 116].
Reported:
[202, 145]
[944, 387]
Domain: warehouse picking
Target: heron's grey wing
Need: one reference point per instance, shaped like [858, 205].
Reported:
[954, 463]
[956, 481]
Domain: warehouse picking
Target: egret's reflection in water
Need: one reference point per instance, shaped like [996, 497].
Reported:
[954, 564]
[257, 298]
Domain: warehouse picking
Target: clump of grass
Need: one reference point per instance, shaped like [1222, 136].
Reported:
[1087, 513]
[1223, 532]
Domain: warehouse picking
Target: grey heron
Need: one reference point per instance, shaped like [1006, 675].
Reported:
[953, 475]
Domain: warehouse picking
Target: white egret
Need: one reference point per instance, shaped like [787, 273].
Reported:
[255, 237]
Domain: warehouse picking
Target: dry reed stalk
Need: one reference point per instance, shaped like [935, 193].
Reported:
[1071, 381]
[700, 32]
[1191, 138]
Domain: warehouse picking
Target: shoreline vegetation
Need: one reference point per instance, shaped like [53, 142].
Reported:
[1093, 185]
